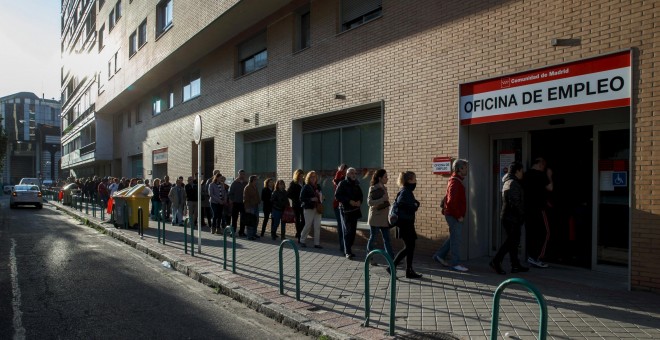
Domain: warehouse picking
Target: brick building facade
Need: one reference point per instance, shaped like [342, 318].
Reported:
[281, 85]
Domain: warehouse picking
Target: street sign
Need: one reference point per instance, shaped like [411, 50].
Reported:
[197, 129]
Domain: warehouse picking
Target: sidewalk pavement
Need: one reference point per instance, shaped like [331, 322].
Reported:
[444, 304]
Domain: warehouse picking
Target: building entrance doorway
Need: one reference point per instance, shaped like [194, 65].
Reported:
[569, 154]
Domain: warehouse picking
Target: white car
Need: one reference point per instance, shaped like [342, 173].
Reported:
[26, 194]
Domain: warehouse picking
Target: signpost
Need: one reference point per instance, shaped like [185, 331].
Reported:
[197, 135]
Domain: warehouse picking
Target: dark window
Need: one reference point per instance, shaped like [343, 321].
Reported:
[132, 44]
[253, 54]
[357, 12]
[170, 98]
[303, 36]
[164, 15]
[117, 11]
[138, 115]
[111, 20]
[101, 34]
[142, 33]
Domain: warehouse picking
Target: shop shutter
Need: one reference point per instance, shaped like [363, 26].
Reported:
[358, 117]
[259, 135]
[353, 9]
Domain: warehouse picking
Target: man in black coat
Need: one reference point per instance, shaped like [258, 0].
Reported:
[512, 217]
[349, 196]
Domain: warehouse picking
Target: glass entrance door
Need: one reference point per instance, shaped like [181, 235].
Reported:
[612, 215]
[505, 149]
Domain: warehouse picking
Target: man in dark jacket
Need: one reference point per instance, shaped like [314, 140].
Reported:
[191, 199]
[235, 195]
[349, 196]
[512, 217]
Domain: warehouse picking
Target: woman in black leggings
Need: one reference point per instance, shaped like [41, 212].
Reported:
[406, 208]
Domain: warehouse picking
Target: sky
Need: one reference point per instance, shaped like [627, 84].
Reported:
[30, 47]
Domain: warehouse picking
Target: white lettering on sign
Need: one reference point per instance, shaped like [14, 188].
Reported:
[442, 167]
[598, 83]
[160, 156]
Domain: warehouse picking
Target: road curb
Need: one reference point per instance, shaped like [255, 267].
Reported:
[275, 311]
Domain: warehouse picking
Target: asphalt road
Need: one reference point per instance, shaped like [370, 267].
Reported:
[62, 280]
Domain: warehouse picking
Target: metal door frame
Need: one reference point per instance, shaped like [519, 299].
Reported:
[524, 135]
[596, 200]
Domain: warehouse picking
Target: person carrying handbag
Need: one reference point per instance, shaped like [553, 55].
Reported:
[379, 204]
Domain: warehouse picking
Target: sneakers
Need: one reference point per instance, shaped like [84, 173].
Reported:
[440, 260]
[537, 263]
[350, 256]
[459, 268]
[497, 267]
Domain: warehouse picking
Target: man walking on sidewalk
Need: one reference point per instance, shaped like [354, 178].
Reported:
[455, 207]
[512, 217]
[191, 199]
[538, 185]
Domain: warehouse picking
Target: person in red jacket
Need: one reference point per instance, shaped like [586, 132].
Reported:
[454, 211]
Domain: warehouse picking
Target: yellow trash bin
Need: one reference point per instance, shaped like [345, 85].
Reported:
[133, 198]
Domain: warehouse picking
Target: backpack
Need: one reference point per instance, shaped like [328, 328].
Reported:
[392, 216]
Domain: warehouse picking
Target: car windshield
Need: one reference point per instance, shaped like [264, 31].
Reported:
[26, 188]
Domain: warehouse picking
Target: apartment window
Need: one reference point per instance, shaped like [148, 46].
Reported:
[111, 67]
[170, 98]
[303, 37]
[164, 16]
[132, 44]
[111, 20]
[156, 106]
[191, 86]
[101, 40]
[117, 11]
[142, 33]
[252, 54]
[357, 12]
[138, 115]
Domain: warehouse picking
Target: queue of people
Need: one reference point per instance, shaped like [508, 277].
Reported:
[301, 203]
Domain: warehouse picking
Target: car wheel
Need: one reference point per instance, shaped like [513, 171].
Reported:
[39, 206]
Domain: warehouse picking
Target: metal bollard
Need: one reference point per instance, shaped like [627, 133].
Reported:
[103, 212]
[125, 214]
[367, 304]
[233, 249]
[185, 237]
[158, 223]
[163, 219]
[140, 221]
[192, 237]
[295, 249]
[543, 322]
